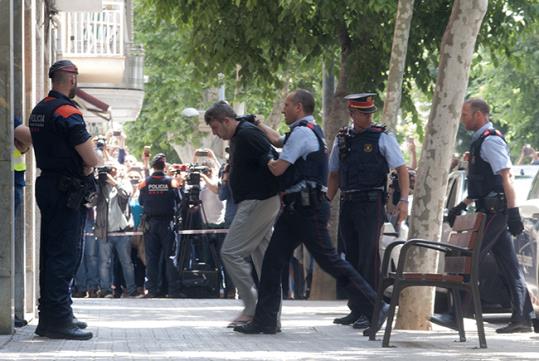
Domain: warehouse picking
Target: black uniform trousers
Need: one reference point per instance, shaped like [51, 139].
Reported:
[360, 223]
[498, 241]
[308, 225]
[158, 245]
[60, 251]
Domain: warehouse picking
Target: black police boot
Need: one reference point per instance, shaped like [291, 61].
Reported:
[347, 320]
[445, 319]
[41, 329]
[516, 327]
[382, 316]
[67, 333]
[253, 328]
[20, 322]
[361, 323]
[80, 324]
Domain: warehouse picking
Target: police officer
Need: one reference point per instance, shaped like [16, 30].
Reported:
[65, 154]
[302, 171]
[491, 187]
[159, 198]
[360, 161]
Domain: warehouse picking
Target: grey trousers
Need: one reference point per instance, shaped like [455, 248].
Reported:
[249, 236]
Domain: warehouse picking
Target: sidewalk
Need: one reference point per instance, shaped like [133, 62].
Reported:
[186, 329]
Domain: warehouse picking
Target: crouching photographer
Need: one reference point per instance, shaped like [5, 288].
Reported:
[113, 215]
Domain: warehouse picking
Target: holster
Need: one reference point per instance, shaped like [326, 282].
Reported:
[492, 203]
[308, 197]
[74, 188]
[145, 225]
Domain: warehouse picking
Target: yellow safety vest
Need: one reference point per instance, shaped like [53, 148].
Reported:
[18, 163]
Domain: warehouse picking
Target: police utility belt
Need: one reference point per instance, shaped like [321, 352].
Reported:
[308, 197]
[494, 202]
[363, 195]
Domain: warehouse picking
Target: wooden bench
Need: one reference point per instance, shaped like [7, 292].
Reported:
[461, 272]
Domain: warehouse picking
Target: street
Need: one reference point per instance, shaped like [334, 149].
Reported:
[190, 329]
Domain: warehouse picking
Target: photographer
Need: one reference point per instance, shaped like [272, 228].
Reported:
[101, 149]
[113, 215]
[159, 197]
[213, 206]
[527, 151]
[254, 189]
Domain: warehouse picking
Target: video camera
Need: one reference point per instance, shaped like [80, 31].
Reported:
[100, 143]
[102, 173]
[193, 174]
[192, 179]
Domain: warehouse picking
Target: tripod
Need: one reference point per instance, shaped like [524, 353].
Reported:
[198, 263]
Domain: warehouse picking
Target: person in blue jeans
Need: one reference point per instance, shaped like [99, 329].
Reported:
[113, 216]
[87, 278]
[22, 140]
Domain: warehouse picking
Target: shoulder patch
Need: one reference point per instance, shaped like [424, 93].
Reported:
[66, 111]
[490, 132]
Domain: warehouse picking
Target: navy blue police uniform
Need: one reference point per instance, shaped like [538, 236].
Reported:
[363, 175]
[362, 163]
[159, 198]
[486, 188]
[303, 218]
[57, 126]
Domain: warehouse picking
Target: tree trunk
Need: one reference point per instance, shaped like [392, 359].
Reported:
[392, 102]
[323, 285]
[274, 118]
[415, 306]
[328, 88]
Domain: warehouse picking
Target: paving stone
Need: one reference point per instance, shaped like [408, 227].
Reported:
[188, 329]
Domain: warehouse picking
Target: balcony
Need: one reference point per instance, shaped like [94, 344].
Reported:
[111, 67]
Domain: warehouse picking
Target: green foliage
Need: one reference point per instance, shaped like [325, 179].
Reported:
[287, 40]
[170, 87]
[511, 87]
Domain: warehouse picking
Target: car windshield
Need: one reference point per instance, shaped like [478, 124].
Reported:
[523, 176]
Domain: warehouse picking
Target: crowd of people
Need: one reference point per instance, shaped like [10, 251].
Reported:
[116, 251]
[271, 202]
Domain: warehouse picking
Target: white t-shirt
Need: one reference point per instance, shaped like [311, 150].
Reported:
[213, 206]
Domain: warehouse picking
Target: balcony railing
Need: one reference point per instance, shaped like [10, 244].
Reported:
[94, 33]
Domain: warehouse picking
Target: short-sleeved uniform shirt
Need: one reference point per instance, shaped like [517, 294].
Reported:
[301, 142]
[54, 143]
[388, 147]
[494, 150]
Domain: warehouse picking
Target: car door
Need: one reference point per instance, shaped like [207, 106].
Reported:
[527, 243]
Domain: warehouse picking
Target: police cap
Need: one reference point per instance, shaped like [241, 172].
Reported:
[364, 102]
[63, 65]
[159, 161]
